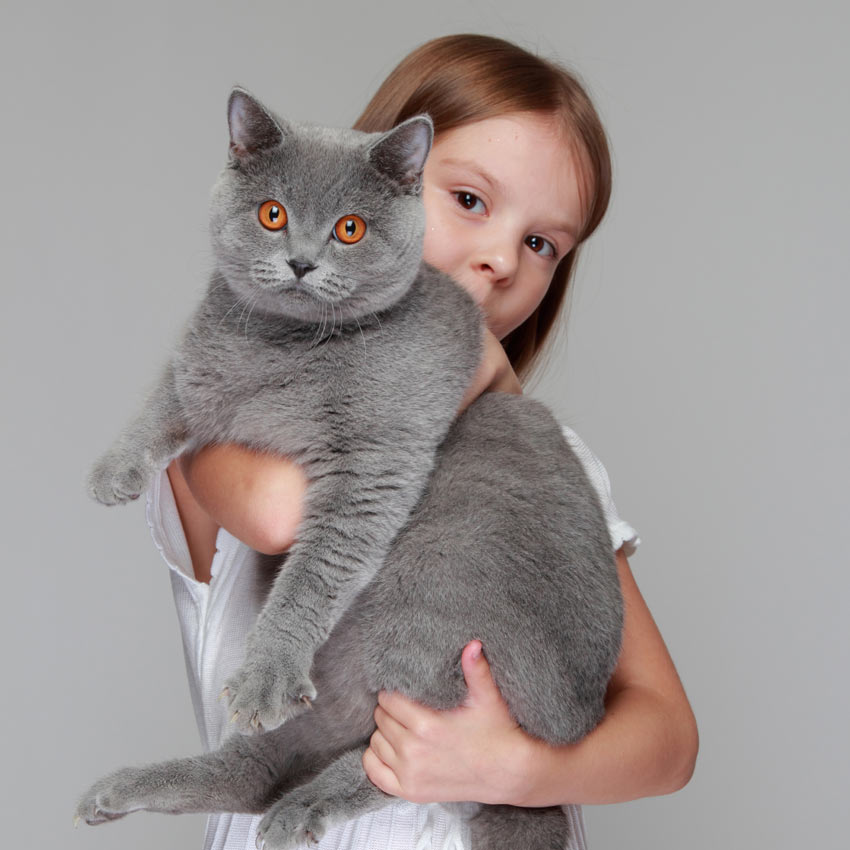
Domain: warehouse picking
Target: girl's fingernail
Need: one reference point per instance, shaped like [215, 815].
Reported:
[476, 653]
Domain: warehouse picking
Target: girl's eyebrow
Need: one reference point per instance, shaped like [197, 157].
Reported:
[495, 183]
[473, 166]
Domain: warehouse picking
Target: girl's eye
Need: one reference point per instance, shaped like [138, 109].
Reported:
[470, 202]
[350, 229]
[541, 246]
[272, 215]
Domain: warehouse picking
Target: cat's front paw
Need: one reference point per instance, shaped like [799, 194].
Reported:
[266, 692]
[111, 798]
[118, 478]
[292, 823]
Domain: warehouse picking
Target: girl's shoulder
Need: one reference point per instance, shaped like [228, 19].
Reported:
[622, 534]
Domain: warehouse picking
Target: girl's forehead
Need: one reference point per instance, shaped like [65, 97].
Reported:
[525, 157]
[508, 125]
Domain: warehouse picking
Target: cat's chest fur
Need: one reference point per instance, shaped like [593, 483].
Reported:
[295, 388]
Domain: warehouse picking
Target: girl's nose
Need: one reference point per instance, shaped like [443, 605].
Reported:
[497, 263]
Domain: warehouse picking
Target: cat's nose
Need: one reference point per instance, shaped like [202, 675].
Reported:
[299, 268]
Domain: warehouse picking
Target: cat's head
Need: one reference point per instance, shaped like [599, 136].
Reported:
[311, 222]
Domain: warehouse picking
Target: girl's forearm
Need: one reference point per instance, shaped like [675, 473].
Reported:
[257, 497]
[644, 746]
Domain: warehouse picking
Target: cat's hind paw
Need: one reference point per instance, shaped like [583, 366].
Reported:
[262, 696]
[291, 823]
[108, 799]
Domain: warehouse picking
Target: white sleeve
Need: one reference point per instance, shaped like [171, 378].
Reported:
[622, 534]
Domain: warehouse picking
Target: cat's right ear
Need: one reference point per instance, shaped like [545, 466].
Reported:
[401, 152]
[252, 127]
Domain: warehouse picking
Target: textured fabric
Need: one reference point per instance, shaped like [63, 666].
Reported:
[622, 534]
[215, 619]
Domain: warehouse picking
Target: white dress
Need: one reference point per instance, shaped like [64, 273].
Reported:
[215, 619]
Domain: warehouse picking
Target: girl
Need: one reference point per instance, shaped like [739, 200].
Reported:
[518, 177]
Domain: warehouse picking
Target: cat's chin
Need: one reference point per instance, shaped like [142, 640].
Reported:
[290, 300]
[298, 301]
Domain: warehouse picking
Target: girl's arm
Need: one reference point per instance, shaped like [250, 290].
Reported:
[645, 745]
[256, 497]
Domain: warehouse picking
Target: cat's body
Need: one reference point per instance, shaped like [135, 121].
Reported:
[507, 543]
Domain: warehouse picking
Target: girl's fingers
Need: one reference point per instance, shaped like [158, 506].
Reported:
[477, 675]
[383, 749]
[389, 727]
[379, 774]
[404, 711]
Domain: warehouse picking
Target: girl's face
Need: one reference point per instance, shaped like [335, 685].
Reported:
[502, 207]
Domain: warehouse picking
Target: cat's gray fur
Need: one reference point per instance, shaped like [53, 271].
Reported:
[359, 381]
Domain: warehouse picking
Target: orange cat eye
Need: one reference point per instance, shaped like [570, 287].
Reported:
[350, 229]
[272, 215]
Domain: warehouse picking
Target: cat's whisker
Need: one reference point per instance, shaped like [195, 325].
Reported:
[327, 305]
[318, 335]
[248, 319]
[326, 309]
[326, 337]
[218, 286]
[239, 320]
[333, 325]
[361, 334]
[235, 305]
[321, 338]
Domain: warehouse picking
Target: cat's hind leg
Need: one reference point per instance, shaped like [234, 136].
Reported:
[340, 792]
[244, 775]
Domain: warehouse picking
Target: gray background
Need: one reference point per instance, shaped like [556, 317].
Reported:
[706, 364]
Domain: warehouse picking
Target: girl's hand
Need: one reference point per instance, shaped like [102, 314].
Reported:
[473, 752]
[495, 374]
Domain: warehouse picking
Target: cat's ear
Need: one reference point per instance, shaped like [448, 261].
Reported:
[401, 152]
[252, 127]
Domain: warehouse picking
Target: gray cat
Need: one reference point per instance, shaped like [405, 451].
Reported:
[323, 337]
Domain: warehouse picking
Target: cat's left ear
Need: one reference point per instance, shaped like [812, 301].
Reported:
[401, 152]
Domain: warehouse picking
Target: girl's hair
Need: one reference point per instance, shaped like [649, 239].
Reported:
[459, 79]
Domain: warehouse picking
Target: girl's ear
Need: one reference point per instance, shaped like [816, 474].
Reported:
[252, 127]
[401, 152]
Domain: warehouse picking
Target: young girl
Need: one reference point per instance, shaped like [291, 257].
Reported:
[518, 177]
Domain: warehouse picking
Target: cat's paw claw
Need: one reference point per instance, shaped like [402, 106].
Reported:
[262, 698]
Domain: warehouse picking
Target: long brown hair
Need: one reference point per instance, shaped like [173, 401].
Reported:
[458, 79]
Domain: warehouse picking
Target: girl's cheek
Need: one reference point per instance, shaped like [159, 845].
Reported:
[437, 247]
